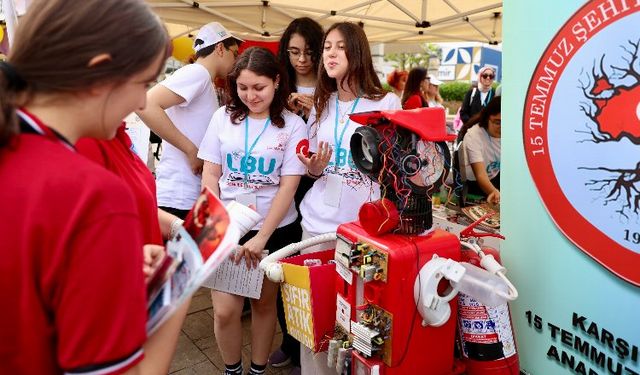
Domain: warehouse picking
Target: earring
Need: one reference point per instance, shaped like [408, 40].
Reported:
[277, 85]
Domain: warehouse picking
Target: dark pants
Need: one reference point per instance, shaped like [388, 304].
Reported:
[291, 346]
[474, 188]
[182, 214]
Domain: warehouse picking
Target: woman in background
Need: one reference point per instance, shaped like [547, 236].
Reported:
[482, 151]
[300, 52]
[478, 97]
[415, 90]
[398, 80]
[433, 93]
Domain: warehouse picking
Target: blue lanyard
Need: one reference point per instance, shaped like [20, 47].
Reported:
[487, 98]
[338, 141]
[247, 149]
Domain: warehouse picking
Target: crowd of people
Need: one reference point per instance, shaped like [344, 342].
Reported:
[84, 220]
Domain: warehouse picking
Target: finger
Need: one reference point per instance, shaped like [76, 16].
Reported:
[146, 271]
[247, 257]
[304, 159]
[158, 259]
[329, 153]
[238, 255]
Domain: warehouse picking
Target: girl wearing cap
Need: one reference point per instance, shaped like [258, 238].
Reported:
[72, 266]
[250, 156]
[179, 110]
[433, 93]
[347, 83]
[415, 90]
[477, 98]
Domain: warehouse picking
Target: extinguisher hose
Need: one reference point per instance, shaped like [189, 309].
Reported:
[490, 264]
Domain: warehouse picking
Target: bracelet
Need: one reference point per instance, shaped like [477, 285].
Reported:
[176, 224]
[316, 176]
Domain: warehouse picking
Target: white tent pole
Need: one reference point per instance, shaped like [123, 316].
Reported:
[325, 15]
[295, 7]
[404, 10]
[470, 23]
[228, 18]
[424, 10]
[468, 13]
[284, 13]
[174, 4]
[169, 5]
[382, 19]
[11, 18]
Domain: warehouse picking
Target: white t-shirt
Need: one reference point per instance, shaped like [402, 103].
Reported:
[177, 186]
[479, 146]
[317, 216]
[272, 156]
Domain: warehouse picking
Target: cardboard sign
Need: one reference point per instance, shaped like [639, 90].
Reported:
[308, 295]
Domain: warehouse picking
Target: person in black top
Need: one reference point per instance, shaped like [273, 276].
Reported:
[478, 97]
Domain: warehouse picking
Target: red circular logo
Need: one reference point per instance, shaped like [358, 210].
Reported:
[303, 147]
[581, 129]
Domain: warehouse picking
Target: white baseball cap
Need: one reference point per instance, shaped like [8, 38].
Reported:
[434, 81]
[211, 34]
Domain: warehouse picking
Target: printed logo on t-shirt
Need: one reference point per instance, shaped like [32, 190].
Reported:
[347, 169]
[343, 158]
[249, 170]
[282, 138]
[493, 168]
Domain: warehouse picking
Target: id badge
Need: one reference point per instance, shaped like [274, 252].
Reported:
[249, 199]
[333, 191]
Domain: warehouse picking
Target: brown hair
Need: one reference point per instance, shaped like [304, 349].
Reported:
[56, 40]
[263, 63]
[312, 33]
[360, 75]
[412, 87]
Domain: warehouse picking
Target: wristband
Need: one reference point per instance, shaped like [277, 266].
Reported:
[176, 224]
[316, 176]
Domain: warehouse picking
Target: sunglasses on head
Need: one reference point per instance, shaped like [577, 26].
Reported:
[486, 75]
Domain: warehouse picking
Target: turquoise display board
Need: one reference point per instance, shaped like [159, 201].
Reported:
[571, 183]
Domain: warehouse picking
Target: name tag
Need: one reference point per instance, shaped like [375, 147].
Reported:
[334, 190]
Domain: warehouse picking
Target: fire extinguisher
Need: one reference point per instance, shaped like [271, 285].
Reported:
[487, 342]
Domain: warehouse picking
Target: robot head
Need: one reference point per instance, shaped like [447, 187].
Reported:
[406, 153]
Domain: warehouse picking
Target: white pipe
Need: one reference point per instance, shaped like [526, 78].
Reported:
[270, 265]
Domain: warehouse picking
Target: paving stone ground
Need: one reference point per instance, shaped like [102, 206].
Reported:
[197, 352]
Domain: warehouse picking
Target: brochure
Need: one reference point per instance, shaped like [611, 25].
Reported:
[208, 236]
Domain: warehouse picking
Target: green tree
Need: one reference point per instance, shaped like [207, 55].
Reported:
[406, 61]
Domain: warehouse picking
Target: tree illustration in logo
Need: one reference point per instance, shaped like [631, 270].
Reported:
[613, 110]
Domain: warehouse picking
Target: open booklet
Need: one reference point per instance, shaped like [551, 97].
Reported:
[209, 234]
